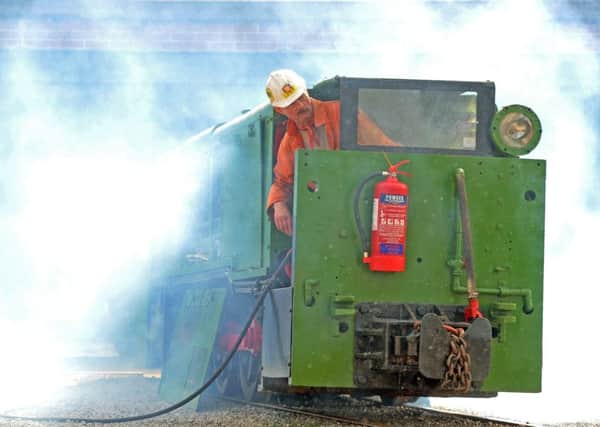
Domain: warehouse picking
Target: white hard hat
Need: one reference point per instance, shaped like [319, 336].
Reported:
[284, 87]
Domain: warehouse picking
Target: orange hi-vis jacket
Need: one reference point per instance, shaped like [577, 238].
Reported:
[324, 136]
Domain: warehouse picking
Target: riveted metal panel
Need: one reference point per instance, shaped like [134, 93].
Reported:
[506, 200]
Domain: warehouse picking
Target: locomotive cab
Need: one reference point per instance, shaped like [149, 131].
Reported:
[462, 318]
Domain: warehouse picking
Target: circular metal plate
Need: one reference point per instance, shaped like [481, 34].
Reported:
[516, 130]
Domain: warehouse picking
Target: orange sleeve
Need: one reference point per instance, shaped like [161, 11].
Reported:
[283, 173]
[371, 134]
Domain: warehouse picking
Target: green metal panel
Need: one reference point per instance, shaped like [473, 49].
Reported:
[506, 200]
[241, 184]
[192, 343]
[231, 228]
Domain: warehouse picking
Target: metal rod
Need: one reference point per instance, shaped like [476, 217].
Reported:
[386, 345]
[466, 232]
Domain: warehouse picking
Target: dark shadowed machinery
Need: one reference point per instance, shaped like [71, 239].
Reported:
[458, 313]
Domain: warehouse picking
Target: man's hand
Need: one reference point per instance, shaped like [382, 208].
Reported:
[282, 217]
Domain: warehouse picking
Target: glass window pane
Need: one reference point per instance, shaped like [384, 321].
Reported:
[422, 118]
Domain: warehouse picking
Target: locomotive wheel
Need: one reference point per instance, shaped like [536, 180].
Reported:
[227, 383]
[248, 367]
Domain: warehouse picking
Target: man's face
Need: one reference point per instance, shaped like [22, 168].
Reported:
[300, 112]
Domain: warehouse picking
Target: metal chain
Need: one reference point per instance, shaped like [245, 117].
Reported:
[458, 363]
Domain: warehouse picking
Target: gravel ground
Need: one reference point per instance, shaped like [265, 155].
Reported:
[125, 396]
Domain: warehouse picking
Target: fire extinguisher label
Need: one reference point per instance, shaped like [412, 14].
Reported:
[391, 248]
[391, 219]
[374, 214]
[394, 199]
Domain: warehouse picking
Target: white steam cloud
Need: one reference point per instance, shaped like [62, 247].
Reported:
[90, 198]
[87, 196]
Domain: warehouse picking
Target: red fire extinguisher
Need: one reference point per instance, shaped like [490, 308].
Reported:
[389, 223]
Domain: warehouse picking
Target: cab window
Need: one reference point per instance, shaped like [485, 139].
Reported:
[434, 119]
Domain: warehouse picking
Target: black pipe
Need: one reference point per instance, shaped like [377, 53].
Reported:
[361, 229]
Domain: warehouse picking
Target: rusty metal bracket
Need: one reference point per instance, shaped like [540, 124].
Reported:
[404, 346]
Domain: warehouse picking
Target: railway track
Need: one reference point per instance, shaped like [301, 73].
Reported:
[308, 413]
[115, 394]
[473, 417]
[458, 417]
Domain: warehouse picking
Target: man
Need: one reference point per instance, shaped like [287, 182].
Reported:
[312, 125]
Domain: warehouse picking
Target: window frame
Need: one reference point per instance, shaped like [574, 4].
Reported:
[486, 107]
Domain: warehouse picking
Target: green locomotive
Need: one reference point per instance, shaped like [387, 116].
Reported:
[331, 324]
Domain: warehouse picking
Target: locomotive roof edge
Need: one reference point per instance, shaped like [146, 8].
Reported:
[326, 90]
[346, 90]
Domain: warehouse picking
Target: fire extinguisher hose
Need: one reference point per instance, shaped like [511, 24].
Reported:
[361, 228]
